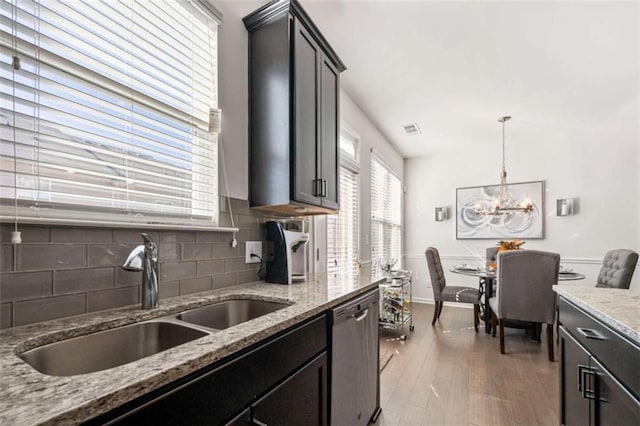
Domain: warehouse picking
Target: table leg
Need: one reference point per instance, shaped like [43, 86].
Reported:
[488, 293]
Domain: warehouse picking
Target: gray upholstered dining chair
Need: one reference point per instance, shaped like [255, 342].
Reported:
[443, 293]
[524, 293]
[491, 255]
[617, 269]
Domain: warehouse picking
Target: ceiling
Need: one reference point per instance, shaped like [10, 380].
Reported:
[455, 67]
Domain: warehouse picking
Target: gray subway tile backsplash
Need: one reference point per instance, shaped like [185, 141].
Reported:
[222, 250]
[169, 289]
[82, 235]
[6, 315]
[83, 280]
[197, 251]
[210, 267]
[108, 254]
[178, 237]
[61, 271]
[32, 234]
[44, 309]
[32, 257]
[212, 237]
[195, 285]
[237, 264]
[112, 298]
[177, 270]
[126, 278]
[6, 257]
[26, 285]
[226, 280]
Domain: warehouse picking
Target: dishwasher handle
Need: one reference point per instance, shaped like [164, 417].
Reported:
[361, 315]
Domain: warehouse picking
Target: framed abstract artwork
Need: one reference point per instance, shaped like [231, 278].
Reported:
[473, 226]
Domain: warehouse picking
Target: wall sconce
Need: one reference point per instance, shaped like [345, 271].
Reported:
[566, 207]
[442, 214]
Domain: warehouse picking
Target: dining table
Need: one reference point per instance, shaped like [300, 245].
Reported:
[487, 278]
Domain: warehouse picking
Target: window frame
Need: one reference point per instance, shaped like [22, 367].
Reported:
[375, 156]
[351, 164]
[70, 214]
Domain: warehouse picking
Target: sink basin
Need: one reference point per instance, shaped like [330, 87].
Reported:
[109, 348]
[229, 313]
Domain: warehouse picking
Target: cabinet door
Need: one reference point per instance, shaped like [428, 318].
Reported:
[574, 408]
[307, 55]
[299, 400]
[329, 119]
[613, 404]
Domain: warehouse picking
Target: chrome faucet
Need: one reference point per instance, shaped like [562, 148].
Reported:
[145, 258]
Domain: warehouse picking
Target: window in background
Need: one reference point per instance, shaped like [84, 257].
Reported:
[106, 117]
[386, 214]
[342, 229]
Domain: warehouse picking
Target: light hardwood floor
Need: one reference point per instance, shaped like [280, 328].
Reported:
[448, 374]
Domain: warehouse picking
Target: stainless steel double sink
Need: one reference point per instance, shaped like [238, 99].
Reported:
[118, 346]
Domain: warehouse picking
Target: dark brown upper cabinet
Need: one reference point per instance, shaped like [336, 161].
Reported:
[294, 95]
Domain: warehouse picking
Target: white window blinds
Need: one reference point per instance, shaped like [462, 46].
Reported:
[107, 114]
[342, 229]
[386, 214]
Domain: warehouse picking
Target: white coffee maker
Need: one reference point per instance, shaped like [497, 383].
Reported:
[286, 260]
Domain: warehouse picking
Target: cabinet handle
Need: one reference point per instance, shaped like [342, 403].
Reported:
[580, 368]
[587, 377]
[257, 422]
[324, 187]
[317, 188]
[591, 334]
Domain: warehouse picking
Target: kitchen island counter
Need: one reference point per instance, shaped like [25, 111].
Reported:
[29, 397]
[616, 308]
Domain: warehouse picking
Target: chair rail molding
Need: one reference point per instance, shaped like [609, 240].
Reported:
[478, 257]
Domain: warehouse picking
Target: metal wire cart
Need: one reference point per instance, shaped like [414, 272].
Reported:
[395, 294]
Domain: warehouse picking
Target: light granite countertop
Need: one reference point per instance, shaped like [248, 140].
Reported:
[29, 397]
[617, 308]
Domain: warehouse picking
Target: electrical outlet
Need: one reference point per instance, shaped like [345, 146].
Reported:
[253, 247]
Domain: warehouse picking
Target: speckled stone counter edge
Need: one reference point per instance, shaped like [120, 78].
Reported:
[623, 317]
[29, 397]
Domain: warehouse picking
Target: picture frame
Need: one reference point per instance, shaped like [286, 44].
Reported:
[515, 225]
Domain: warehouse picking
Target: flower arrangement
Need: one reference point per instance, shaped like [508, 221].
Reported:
[510, 245]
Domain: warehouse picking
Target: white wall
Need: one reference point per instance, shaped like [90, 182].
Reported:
[233, 82]
[596, 162]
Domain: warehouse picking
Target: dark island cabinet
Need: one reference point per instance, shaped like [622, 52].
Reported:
[599, 379]
[283, 380]
[294, 95]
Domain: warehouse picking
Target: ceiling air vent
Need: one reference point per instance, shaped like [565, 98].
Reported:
[412, 129]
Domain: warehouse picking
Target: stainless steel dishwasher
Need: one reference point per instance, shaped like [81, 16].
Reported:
[355, 391]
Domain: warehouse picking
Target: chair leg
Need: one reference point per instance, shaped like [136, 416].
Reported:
[476, 312]
[435, 312]
[538, 332]
[502, 336]
[440, 309]
[550, 341]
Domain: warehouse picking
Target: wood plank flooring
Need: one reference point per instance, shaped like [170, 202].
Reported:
[448, 374]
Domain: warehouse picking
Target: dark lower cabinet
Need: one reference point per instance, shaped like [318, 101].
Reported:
[288, 404]
[575, 408]
[284, 379]
[599, 372]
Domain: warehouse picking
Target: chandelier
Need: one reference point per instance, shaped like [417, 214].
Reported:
[503, 203]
